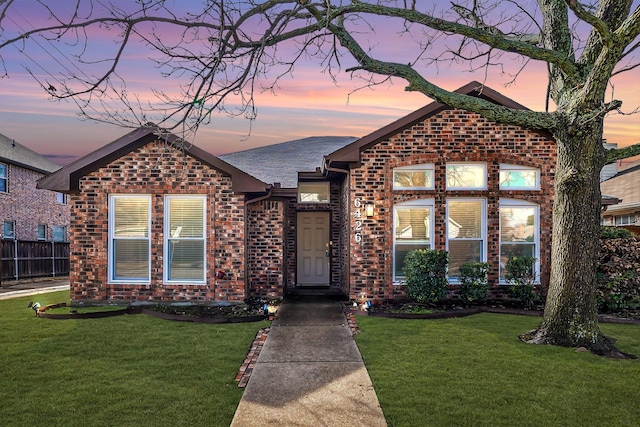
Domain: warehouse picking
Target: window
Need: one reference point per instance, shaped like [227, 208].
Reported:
[62, 198]
[59, 233]
[129, 242]
[466, 233]
[313, 192]
[413, 225]
[418, 177]
[514, 177]
[42, 231]
[9, 230]
[466, 176]
[184, 239]
[4, 178]
[628, 219]
[519, 228]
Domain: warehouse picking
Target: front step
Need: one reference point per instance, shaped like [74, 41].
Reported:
[319, 291]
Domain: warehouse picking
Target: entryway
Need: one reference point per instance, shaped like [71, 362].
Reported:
[313, 249]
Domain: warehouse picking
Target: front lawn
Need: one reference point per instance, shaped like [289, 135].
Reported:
[134, 370]
[474, 371]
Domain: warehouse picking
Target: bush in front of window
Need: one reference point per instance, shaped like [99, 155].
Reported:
[474, 283]
[521, 278]
[425, 272]
[607, 232]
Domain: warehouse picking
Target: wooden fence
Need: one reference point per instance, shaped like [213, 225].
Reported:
[25, 259]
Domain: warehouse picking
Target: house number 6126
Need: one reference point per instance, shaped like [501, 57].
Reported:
[357, 204]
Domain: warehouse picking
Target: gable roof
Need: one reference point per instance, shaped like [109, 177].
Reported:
[281, 163]
[351, 153]
[18, 154]
[67, 179]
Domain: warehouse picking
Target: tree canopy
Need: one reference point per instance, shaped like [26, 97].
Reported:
[221, 52]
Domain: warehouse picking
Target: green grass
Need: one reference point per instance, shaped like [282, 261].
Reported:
[133, 370]
[474, 371]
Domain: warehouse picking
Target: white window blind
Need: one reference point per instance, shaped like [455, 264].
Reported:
[465, 232]
[129, 221]
[412, 231]
[519, 228]
[185, 247]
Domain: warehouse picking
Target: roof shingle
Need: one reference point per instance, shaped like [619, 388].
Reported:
[281, 163]
[13, 152]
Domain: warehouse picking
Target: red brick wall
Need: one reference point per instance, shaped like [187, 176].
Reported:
[451, 136]
[28, 206]
[265, 248]
[158, 170]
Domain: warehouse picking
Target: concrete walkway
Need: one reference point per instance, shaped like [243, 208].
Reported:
[24, 288]
[309, 372]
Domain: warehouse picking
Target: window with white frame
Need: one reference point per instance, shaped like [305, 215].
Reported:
[4, 178]
[514, 177]
[466, 233]
[628, 219]
[413, 229]
[59, 233]
[185, 240]
[42, 231]
[9, 229]
[415, 177]
[129, 238]
[466, 176]
[313, 192]
[519, 232]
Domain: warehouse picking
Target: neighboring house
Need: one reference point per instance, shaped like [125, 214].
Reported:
[625, 186]
[26, 212]
[158, 220]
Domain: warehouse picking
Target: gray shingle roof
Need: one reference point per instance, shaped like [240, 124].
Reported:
[12, 152]
[280, 163]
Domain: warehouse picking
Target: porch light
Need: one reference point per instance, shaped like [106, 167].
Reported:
[368, 210]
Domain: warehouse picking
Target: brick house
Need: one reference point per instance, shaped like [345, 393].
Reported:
[153, 220]
[28, 213]
[624, 186]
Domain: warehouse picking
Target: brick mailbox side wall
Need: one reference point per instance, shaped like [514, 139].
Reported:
[157, 170]
[450, 136]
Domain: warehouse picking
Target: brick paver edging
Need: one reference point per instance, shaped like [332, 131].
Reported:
[351, 321]
[252, 356]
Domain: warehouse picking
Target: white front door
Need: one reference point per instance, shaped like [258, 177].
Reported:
[313, 249]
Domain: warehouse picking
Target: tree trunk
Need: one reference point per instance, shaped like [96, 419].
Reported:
[571, 314]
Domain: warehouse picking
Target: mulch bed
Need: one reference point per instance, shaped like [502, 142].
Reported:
[213, 314]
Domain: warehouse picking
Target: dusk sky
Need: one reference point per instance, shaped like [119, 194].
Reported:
[306, 104]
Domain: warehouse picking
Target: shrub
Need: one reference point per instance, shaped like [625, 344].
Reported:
[521, 278]
[425, 271]
[614, 233]
[614, 295]
[619, 277]
[474, 285]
